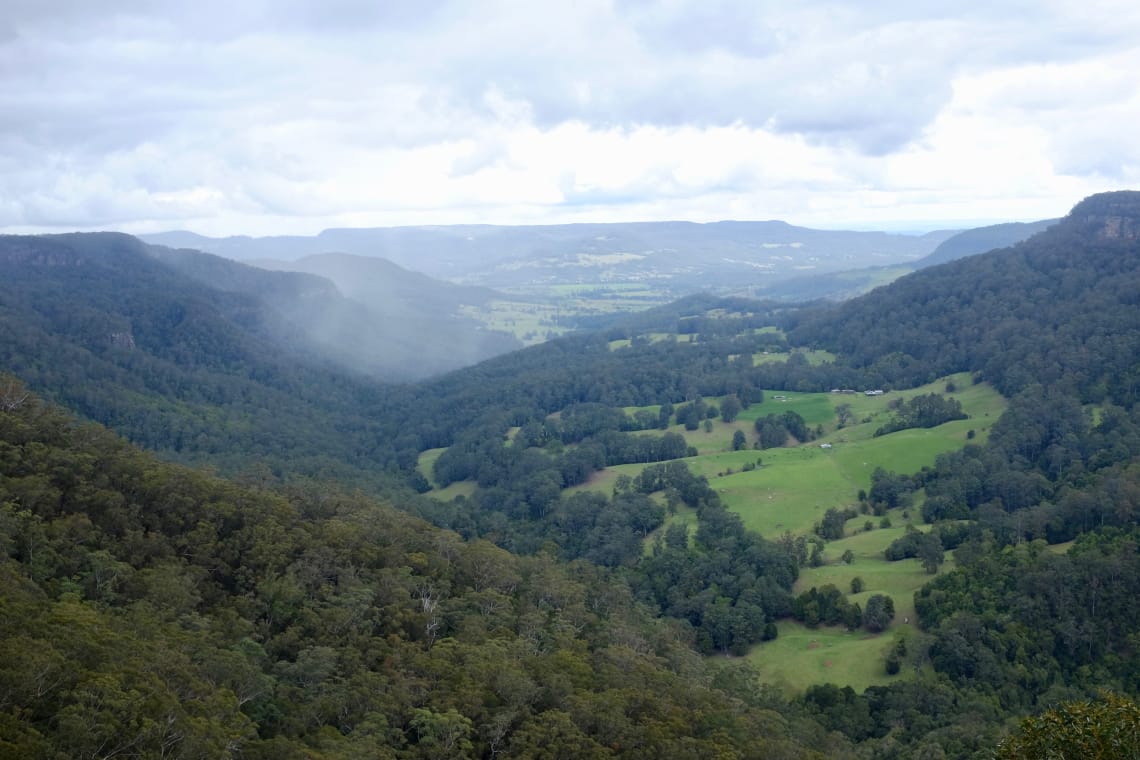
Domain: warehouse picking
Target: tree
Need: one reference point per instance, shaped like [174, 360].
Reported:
[848, 557]
[857, 585]
[771, 431]
[844, 415]
[730, 408]
[1107, 728]
[442, 735]
[930, 552]
[738, 440]
[878, 613]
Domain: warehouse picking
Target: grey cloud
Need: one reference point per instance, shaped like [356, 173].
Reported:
[237, 92]
[711, 63]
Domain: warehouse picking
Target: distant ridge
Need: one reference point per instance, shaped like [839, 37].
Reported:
[677, 257]
[982, 239]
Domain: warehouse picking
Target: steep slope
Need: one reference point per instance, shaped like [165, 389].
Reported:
[379, 319]
[154, 611]
[1059, 308]
[841, 286]
[982, 239]
[99, 324]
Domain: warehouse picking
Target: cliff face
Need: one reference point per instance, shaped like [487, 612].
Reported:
[1109, 216]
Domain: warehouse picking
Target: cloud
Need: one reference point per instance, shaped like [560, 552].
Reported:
[301, 114]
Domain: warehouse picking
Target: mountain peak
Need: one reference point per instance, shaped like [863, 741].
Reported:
[1109, 216]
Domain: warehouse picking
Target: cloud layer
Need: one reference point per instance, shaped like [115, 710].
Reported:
[261, 117]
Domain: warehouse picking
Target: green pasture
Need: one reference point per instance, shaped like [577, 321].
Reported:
[594, 290]
[716, 440]
[789, 491]
[657, 337]
[872, 279]
[426, 461]
[790, 488]
[1062, 548]
[815, 408]
[794, 486]
[462, 488]
[898, 580]
[813, 357]
[800, 656]
[530, 322]
[603, 481]
[535, 314]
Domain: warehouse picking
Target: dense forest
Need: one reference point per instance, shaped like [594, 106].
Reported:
[308, 607]
[151, 610]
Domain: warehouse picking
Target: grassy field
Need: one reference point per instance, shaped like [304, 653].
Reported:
[812, 356]
[534, 316]
[801, 656]
[790, 488]
[795, 485]
[462, 488]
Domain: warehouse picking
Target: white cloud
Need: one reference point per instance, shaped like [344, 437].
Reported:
[290, 116]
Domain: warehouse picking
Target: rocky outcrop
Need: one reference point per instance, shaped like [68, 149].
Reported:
[1109, 216]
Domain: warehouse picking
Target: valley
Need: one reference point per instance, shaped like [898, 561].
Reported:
[696, 529]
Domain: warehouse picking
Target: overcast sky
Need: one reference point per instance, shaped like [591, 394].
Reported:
[288, 116]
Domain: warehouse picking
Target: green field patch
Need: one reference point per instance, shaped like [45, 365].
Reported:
[465, 488]
[898, 580]
[603, 481]
[794, 486]
[657, 337]
[812, 356]
[622, 343]
[536, 314]
[1062, 548]
[800, 656]
[906, 451]
[718, 438]
[815, 408]
[790, 491]
[461, 488]
[426, 461]
[530, 322]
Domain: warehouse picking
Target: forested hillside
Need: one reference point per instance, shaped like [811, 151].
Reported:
[312, 623]
[154, 611]
[981, 240]
[1057, 310]
[302, 316]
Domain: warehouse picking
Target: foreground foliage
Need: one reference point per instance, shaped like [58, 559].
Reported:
[150, 610]
[1105, 729]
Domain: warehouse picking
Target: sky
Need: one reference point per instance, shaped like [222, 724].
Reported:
[268, 117]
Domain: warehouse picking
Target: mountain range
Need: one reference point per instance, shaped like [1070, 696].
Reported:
[762, 259]
[678, 257]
